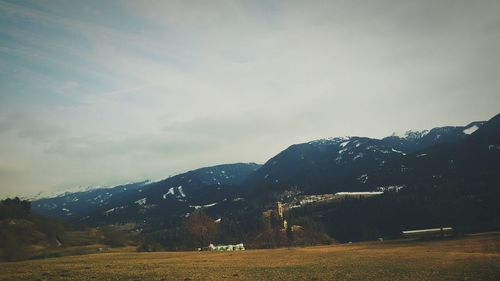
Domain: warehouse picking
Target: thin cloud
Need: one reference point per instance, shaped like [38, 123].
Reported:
[103, 92]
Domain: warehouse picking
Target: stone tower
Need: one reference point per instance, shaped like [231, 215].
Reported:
[279, 210]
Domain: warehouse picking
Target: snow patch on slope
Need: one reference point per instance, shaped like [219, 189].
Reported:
[170, 191]
[344, 144]
[470, 130]
[196, 207]
[391, 188]
[181, 192]
[397, 151]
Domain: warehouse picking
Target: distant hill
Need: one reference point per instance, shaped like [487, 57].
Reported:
[149, 201]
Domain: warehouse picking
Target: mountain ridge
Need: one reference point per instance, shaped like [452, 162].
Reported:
[409, 163]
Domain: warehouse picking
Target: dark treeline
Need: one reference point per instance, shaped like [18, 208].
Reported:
[25, 234]
[20, 229]
[254, 228]
[457, 205]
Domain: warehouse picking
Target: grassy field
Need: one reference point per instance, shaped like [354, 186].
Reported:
[470, 258]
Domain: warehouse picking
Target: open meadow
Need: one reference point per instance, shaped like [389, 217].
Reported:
[469, 258]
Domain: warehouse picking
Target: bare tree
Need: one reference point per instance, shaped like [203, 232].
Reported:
[200, 228]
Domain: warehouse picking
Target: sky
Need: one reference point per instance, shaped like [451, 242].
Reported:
[97, 93]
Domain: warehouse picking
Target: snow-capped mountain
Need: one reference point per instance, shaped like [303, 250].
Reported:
[346, 163]
[474, 160]
[413, 141]
[138, 200]
[460, 155]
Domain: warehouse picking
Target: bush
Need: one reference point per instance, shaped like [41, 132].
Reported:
[114, 237]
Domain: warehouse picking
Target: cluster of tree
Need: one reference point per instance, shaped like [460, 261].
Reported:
[196, 231]
[21, 229]
[254, 228]
[114, 237]
[15, 209]
[464, 207]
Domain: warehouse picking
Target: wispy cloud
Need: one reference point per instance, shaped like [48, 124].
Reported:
[98, 92]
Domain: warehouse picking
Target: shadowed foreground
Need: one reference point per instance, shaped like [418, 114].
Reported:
[470, 258]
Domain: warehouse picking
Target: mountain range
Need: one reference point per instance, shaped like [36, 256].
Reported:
[466, 156]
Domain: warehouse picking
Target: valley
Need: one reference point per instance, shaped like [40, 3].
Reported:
[467, 258]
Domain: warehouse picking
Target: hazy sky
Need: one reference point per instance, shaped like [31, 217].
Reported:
[104, 92]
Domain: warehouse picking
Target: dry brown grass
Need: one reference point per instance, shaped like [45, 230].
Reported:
[470, 258]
